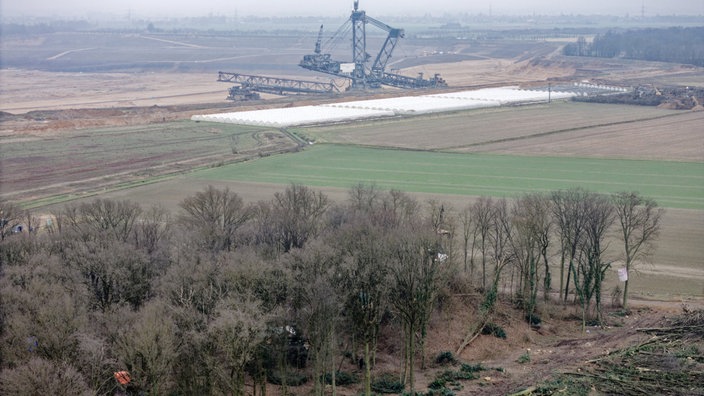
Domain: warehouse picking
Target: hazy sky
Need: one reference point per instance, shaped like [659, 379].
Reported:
[163, 8]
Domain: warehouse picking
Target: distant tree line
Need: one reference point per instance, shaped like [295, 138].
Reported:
[107, 296]
[55, 26]
[676, 44]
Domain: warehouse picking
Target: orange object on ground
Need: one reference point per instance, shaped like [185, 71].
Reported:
[123, 377]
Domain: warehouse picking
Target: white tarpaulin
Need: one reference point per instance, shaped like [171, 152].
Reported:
[375, 108]
[622, 274]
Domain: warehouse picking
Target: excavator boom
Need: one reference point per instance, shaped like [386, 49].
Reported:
[320, 39]
[363, 77]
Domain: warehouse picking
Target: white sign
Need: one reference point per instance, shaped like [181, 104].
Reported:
[622, 274]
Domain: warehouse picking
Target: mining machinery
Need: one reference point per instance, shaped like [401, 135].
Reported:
[362, 75]
[248, 86]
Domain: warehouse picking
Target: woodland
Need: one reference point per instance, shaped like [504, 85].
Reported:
[675, 44]
[289, 291]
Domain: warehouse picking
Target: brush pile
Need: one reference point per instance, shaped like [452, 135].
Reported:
[671, 362]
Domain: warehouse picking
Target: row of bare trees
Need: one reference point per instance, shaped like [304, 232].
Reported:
[576, 225]
[280, 291]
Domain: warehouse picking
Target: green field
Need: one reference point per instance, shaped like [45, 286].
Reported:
[672, 184]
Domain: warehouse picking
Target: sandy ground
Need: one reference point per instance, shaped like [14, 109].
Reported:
[20, 93]
[675, 138]
[493, 71]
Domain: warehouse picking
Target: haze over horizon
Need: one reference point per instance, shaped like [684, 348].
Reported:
[342, 8]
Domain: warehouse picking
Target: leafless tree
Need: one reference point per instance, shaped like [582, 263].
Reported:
[195, 287]
[417, 265]
[639, 221]
[31, 222]
[95, 361]
[213, 217]
[469, 239]
[500, 235]
[363, 197]
[195, 283]
[532, 221]
[117, 218]
[387, 209]
[43, 311]
[482, 213]
[114, 273]
[239, 326]
[497, 247]
[153, 230]
[569, 216]
[298, 213]
[315, 274]
[147, 347]
[43, 377]
[365, 280]
[591, 266]
[397, 208]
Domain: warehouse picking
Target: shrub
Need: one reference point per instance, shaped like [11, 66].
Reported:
[494, 329]
[448, 380]
[387, 383]
[525, 358]
[445, 358]
[342, 378]
[472, 368]
[437, 383]
[440, 392]
[533, 319]
[464, 375]
[292, 378]
[451, 377]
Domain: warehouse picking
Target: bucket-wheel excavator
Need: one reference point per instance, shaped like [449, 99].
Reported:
[361, 74]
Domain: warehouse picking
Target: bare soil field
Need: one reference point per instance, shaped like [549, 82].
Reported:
[28, 90]
[76, 90]
[676, 137]
[494, 71]
[36, 166]
[105, 70]
[569, 129]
